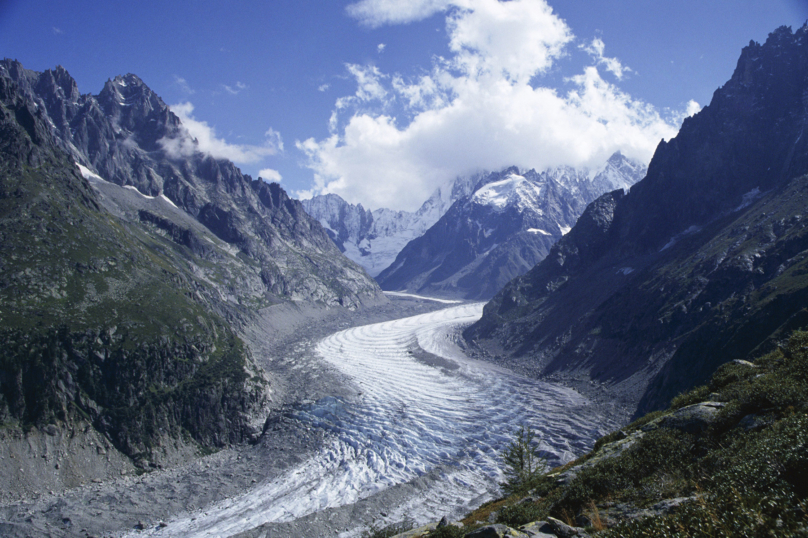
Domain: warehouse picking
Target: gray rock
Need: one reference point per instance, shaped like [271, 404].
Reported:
[562, 530]
[754, 422]
[691, 419]
[496, 531]
[538, 529]
[671, 505]
[607, 451]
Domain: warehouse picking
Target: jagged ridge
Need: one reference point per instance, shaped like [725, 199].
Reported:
[501, 229]
[704, 253]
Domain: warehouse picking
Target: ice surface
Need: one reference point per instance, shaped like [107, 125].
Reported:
[413, 415]
[402, 294]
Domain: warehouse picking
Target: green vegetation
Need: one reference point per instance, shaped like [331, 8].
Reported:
[742, 472]
[523, 464]
[746, 473]
[449, 531]
[101, 321]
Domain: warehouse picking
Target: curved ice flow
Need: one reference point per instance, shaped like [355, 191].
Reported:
[410, 419]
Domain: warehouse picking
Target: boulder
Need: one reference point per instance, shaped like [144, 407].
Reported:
[562, 530]
[496, 531]
[538, 529]
[691, 419]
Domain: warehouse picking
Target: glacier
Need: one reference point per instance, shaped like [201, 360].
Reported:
[421, 406]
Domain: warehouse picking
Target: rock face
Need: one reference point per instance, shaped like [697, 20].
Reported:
[374, 238]
[501, 229]
[126, 135]
[702, 262]
[129, 264]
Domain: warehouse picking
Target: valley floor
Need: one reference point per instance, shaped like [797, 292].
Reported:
[375, 421]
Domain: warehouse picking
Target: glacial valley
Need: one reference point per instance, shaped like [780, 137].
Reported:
[398, 424]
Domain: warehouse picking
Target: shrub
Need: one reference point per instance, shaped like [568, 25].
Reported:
[449, 531]
[698, 394]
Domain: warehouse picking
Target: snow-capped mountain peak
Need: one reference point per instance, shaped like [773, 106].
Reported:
[549, 201]
[514, 190]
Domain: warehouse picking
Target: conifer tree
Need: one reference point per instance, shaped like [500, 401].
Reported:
[522, 461]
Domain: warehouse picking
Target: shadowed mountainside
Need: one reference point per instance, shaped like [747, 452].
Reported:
[702, 262]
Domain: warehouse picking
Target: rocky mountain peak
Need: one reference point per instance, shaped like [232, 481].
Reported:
[502, 228]
[762, 114]
[59, 82]
[123, 135]
[135, 108]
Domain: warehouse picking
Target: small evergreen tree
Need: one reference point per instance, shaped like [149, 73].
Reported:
[522, 461]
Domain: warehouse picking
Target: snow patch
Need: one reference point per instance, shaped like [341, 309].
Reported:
[131, 188]
[165, 198]
[693, 229]
[513, 190]
[88, 174]
[537, 231]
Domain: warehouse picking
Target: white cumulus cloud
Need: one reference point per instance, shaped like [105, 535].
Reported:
[377, 13]
[596, 48]
[270, 175]
[693, 108]
[199, 136]
[397, 138]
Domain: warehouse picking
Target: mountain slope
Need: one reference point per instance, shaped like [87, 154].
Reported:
[374, 238]
[500, 230]
[97, 327]
[133, 268]
[129, 137]
[705, 253]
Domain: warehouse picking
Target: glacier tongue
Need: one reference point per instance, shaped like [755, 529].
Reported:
[424, 410]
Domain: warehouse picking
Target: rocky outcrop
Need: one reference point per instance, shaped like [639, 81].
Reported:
[552, 528]
[495, 531]
[699, 264]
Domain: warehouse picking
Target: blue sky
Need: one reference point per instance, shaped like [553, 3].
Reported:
[381, 101]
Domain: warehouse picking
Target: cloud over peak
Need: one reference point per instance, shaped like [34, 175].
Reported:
[197, 135]
[484, 107]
